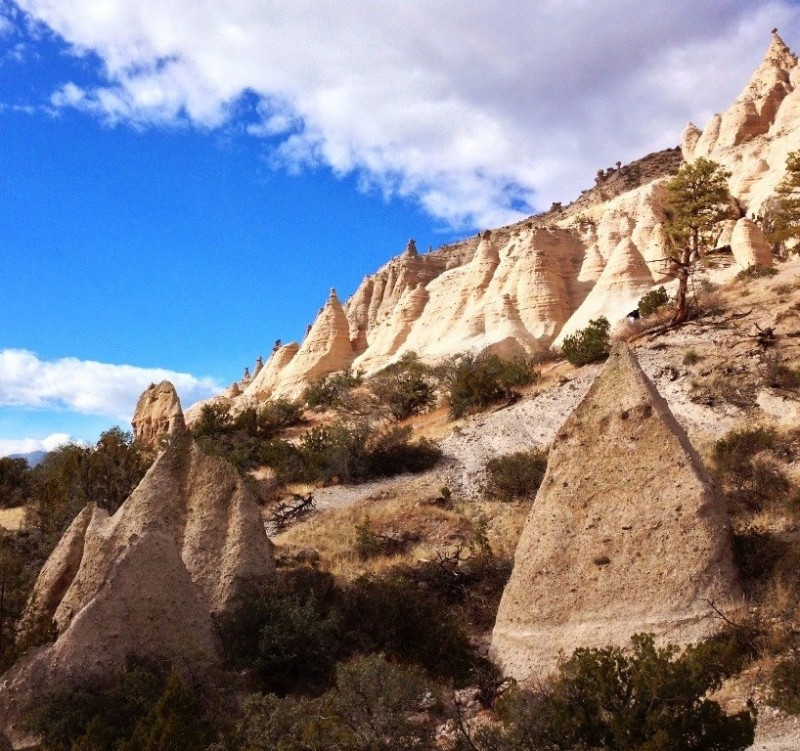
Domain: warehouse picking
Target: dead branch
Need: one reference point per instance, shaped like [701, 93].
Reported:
[289, 511]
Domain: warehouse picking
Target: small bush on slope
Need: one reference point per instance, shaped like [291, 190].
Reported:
[474, 382]
[588, 345]
[515, 476]
[642, 699]
[405, 388]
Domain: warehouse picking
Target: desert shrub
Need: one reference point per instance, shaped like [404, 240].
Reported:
[652, 301]
[691, 357]
[775, 372]
[214, 420]
[642, 698]
[756, 272]
[98, 714]
[353, 452]
[751, 482]
[290, 638]
[268, 419]
[392, 452]
[15, 482]
[474, 382]
[371, 708]
[756, 554]
[588, 345]
[335, 452]
[405, 388]
[394, 616]
[328, 391]
[515, 476]
[785, 685]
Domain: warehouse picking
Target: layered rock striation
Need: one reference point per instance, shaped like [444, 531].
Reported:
[627, 534]
[148, 581]
[522, 288]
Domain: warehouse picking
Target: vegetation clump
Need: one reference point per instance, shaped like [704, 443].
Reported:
[588, 345]
[652, 302]
[329, 392]
[621, 700]
[785, 224]
[515, 476]
[474, 382]
[405, 388]
[697, 200]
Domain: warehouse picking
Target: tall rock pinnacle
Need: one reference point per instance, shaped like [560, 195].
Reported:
[626, 534]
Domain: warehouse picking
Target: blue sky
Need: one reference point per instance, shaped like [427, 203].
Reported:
[181, 182]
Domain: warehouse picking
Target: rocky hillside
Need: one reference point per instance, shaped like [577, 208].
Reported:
[523, 288]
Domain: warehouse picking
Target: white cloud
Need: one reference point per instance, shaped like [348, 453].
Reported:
[86, 386]
[474, 108]
[29, 445]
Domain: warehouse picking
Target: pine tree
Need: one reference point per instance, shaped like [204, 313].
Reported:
[786, 220]
[697, 200]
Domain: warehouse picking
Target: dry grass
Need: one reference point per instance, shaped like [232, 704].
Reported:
[12, 518]
[332, 532]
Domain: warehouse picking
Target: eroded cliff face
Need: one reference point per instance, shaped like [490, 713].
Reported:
[148, 581]
[524, 287]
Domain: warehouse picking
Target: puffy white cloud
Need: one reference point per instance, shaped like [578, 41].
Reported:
[10, 446]
[478, 109]
[86, 386]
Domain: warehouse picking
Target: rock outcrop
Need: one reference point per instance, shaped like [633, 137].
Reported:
[158, 414]
[148, 581]
[626, 534]
[522, 288]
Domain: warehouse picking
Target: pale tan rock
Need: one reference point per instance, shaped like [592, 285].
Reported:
[148, 581]
[689, 138]
[749, 246]
[624, 280]
[326, 349]
[782, 405]
[158, 414]
[265, 383]
[630, 538]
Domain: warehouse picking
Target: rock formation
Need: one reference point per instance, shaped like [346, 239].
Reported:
[626, 534]
[158, 414]
[524, 287]
[147, 581]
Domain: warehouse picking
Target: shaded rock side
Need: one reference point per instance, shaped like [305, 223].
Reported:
[626, 534]
[158, 414]
[148, 581]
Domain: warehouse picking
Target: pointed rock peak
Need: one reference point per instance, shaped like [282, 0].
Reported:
[411, 248]
[689, 138]
[332, 297]
[778, 53]
[158, 414]
[636, 515]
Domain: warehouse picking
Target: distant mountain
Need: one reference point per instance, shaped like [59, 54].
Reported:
[33, 458]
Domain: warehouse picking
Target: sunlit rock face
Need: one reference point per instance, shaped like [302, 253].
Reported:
[522, 288]
[626, 535]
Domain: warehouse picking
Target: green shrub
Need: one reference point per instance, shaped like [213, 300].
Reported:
[751, 482]
[691, 357]
[642, 698]
[588, 345]
[329, 391]
[98, 714]
[405, 388]
[652, 301]
[785, 685]
[756, 272]
[515, 476]
[371, 708]
[394, 616]
[474, 382]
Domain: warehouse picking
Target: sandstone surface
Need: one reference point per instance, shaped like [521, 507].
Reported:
[628, 538]
[158, 414]
[524, 287]
[148, 581]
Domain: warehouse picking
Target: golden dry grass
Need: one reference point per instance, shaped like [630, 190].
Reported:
[332, 532]
[12, 518]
